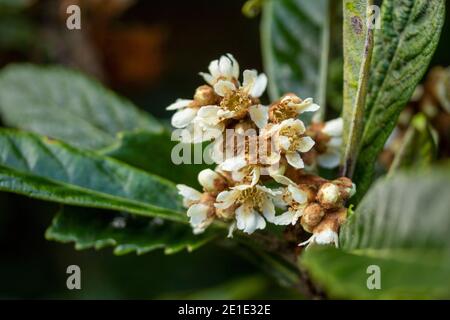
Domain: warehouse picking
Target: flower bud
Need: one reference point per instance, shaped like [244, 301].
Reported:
[205, 95]
[309, 191]
[346, 188]
[211, 181]
[312, 215]
[329, 196]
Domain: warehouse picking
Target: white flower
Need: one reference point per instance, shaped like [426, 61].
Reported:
[251, 202]
[289, 139]
[331, 157]
[296, 200]
[248, 159]
[298, 105]
[324, 237]
[184, 115]
[224, 68]
[199, 217]
[291, 106]
[200, 214]
[190, 195]
[237, 101]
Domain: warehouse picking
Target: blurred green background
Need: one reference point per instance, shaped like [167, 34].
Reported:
[150, 52]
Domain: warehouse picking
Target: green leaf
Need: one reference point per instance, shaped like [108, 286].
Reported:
[358, 45]
[50, 170]
[152, 151]
[295, 42]
[249, 287]
[89, 228]
[66, 105]
[403, 226]
[418, 148]
[404, 45]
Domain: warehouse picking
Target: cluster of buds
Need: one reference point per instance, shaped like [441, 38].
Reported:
[261, 153]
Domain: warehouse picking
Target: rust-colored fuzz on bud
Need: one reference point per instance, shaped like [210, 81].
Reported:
[312, 215]
[209, 199]
[332, 221]
[205, 95]
[309, 190]
[329, 196]
[345, 186]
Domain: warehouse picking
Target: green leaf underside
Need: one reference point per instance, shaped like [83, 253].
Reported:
[89, 228]
[404, 45]
[358, 43]
[294, 36]
[152, 152]
[345, 275]
[50, 170]
[66, 105]
[402, 225]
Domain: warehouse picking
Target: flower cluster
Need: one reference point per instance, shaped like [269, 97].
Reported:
[261, 153]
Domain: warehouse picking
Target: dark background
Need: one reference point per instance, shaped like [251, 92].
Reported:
[150, 52]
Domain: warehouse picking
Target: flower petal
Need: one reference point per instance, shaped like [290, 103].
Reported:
[255, 176]
[306, 143]
[248, 220]
[233, 164]
[268, 210]
[208, 115]
[179, 104]
[214, 68]
[188, 192]
[298, 195]
[209, 79]
[198, 214]
[235, 64]
[284, 142]
[225, 67]
[334, 127]
[294, 159]
[249, 78]
[284, 219]
[329, 159]
[307, 105]
[226, 199]
[183, 117]
[259, 115]
[222, 87]
[259, 86]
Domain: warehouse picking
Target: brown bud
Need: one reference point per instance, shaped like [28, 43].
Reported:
[309, 190]
[212, 181]
[312, 215]
[205, 95]
[329, 196]
[332, 221]
[346, 187]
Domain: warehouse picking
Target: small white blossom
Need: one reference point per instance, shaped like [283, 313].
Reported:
[324, 237]
[251, 202]
[296, 200]
[294, 103]
[184, 115]
[224, 68]
[199, 213]
[290, 140]
[237, 101]
[331, 157]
